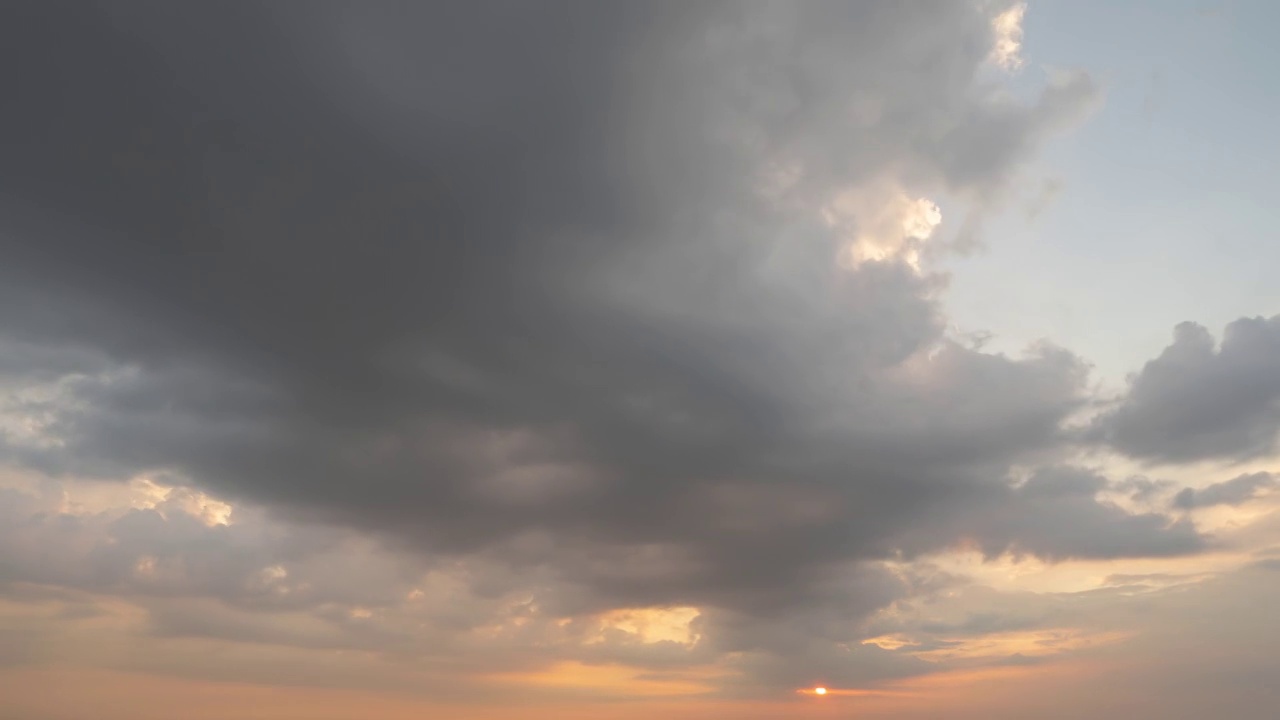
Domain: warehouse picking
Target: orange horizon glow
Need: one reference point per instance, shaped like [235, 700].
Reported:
[821, 691]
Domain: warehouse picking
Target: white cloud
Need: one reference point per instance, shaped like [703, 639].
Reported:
[1007, 26]
[882, 225]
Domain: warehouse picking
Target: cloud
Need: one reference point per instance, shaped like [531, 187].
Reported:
[1008, 30]
[1142, 489]
[1056, 514]
[1199, 401]
[544, 295]
[1235, 491]
[1130, 642]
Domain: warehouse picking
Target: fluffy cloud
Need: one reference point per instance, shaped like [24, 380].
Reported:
[1199, 401]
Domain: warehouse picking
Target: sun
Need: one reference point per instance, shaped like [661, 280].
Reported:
[820, 691]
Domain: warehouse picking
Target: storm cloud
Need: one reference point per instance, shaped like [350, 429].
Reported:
[623, 302]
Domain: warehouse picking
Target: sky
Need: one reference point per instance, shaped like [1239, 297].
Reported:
[499, 360]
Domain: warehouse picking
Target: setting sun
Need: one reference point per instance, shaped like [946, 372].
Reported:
[820, 691]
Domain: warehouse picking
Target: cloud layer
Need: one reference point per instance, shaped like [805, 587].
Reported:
[587, 309]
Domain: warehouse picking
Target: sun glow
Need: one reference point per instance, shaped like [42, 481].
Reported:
[848, 692]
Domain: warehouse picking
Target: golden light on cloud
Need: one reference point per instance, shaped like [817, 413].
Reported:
[1007, 26]
[82, 497]
[1029, 574]
[1035, 643]
[889, 642]
[618, 680]
[882, 225]
[148, 494]
[651, 625]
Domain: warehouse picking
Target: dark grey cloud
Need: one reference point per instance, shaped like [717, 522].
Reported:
[1144, 489]
[1057, 514]
[1236, 491]
[545, 287]
[1199, 400]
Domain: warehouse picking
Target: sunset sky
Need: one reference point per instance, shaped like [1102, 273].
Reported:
[624, 360]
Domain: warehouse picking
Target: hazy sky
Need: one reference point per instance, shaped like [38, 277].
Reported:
[618, 360]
